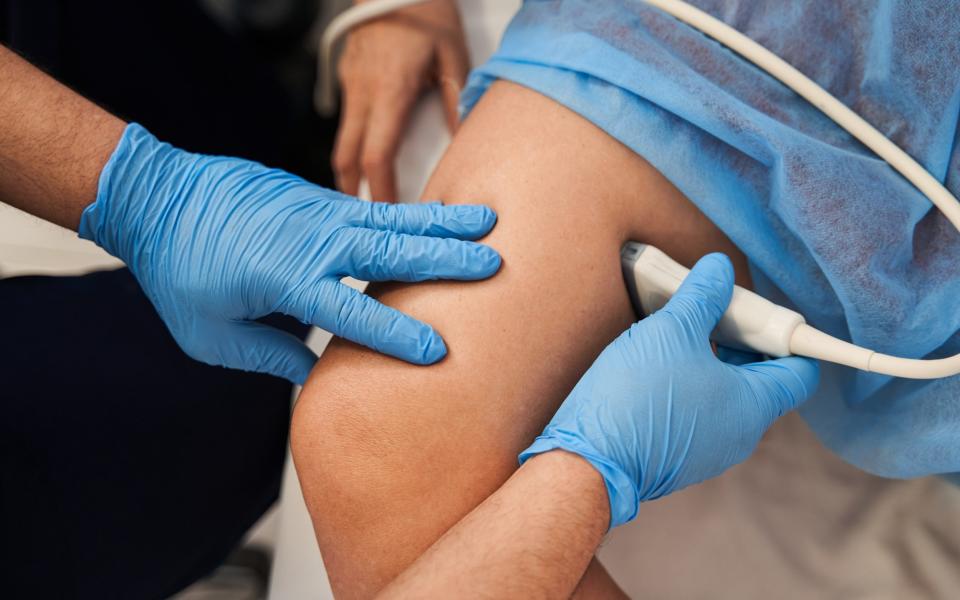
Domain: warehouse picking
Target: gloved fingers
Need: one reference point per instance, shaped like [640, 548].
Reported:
[737, 357]
[377, 255]
[346, 149]
[388, 120]
[465, 221]
[252, 346]
[704, 295]
[452, 68]
[359, 318]
[784, 383]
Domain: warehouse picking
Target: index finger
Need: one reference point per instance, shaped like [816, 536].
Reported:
[704, 295]
[452, 76]
[463, 221]
[346, 151]
[385, 127]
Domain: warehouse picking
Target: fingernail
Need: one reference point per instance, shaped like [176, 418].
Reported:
[434, 349]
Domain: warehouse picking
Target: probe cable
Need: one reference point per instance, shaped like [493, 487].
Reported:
[806, 340]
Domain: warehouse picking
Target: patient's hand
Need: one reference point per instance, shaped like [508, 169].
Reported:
[386, 65]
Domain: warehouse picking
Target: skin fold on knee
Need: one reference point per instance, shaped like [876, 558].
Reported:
[391, 455]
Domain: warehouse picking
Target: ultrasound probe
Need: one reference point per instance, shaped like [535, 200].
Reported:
[751, 322]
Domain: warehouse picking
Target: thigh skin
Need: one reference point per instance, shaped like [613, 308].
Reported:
[391, 455]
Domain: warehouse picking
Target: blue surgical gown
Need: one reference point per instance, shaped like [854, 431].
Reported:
[828, 227]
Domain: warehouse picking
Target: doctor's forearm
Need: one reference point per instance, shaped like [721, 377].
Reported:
[534, 537]
[53, 143]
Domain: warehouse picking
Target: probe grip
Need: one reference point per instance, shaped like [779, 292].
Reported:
[751, 322]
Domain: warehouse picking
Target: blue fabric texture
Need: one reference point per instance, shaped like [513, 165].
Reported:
[829, 228]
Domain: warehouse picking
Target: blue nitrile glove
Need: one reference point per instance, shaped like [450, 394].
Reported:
[217, 242]
[658, 411]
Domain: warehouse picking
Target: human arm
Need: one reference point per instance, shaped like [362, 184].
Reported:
[655, 413]
[217, 243]
[53, 143]
[391, 457]
[386, 64]
[533, 538]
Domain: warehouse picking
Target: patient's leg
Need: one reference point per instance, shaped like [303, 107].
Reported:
[391, 455]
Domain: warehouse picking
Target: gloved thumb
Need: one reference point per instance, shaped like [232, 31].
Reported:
[251, 346]
[782, 384]
[704, 295]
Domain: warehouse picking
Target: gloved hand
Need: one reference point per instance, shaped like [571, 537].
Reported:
[217, 242]
[658, 411]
